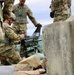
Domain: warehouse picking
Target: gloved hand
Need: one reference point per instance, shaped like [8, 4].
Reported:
[38, 25]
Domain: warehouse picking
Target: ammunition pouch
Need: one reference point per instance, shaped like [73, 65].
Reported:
[52, 14]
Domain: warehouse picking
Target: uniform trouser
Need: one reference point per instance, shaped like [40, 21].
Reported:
[20, 29]
[11, 56]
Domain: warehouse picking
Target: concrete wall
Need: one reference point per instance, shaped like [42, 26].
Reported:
[58, 45]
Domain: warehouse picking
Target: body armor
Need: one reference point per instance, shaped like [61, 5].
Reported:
[20, 13]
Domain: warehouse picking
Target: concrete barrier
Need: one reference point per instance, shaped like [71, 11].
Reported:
[58, 45]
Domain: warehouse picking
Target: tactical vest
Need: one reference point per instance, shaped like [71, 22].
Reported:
[21, 14]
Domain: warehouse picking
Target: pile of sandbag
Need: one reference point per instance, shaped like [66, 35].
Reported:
[30, 66]
[27, 66]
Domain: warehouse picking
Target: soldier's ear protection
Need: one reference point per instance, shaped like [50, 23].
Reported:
[52, 14]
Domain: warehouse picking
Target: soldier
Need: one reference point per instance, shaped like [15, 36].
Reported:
[21, 10]
[8, 6]
[7, 46]
[61, 10]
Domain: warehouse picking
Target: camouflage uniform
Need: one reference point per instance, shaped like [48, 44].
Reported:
[20, 24]
[7, 47]
[8, 1]
[8, 6]
[61, 9]
[1, 34]
[21, 18]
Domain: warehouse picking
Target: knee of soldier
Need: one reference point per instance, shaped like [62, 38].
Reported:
[16, 57]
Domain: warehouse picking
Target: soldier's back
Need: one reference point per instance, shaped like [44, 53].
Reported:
[62, 10]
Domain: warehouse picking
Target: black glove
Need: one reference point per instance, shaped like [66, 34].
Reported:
[38, 25]
[52, 14]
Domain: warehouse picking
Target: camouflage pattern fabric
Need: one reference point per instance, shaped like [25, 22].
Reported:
[1, 34]
[11, 56]
[20, 24]
[7, 47]
[10, 33]
[21, 14]
[68, 2]
[20, 28]
[8, 6]
[62, 9]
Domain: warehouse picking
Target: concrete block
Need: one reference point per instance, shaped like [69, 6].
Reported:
[58, 45]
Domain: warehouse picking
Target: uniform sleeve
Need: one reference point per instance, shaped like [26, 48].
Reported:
[69, 3]
[11, 34]
[31, 17]
[8, 2]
